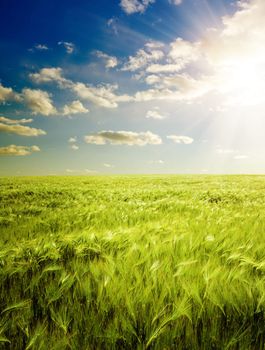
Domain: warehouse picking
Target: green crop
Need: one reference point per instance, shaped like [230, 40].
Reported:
[132, 262]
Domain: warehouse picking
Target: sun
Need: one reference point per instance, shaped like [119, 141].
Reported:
[242, 81]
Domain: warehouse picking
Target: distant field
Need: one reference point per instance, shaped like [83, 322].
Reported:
[132, 262]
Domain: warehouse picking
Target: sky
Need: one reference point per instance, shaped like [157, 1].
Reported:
[132, 86]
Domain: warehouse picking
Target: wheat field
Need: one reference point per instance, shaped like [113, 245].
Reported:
[132, 262]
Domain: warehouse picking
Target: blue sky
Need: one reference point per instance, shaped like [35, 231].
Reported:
[132, 86]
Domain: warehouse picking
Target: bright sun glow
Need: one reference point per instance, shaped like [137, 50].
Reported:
[242, 82]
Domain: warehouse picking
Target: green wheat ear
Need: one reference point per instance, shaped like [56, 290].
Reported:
[17, 306]
[37, 339]
[3, 328]
[61, 318]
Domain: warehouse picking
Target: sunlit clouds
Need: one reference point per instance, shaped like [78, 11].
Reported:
[181, 139]
[155, 114]
[7, 94]
[110, 61]
[15, 121]
[21, 130]
[134, 6]
[14, 150]
[123, 138]
[12, 126]
[39, 101]
[155, 78]
[75, 107]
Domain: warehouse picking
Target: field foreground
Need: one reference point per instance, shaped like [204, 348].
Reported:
[132, 262]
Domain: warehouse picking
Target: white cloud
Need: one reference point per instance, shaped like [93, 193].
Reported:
[155, 114]
[182, 51]
[235, 55]
[46, 75]
[41, 47]
[15, 121]
[102, 95]
[110, 61]
[154, 45]
[75, 147]
[181, 139]
[175, 2]
[165, 68]
[123, 138]
[107, 165]
[69, 47]
[154, 94]
[7, 94]
[21, 130]
[142, 59]
[180, 87]
[152, 79]
[134, 6]
[180, 54]
[112, 23]
[14, 150]
[74, 108]
[72, 139]
[227, 62]
[39, 102]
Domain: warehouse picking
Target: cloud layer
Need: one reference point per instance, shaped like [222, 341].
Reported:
[11, 126]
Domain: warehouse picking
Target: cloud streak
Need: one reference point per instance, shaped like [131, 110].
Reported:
[69, 47]
[123, 138]
[110, 61]
[186, 140]
[14, 150]
[21, 130]
[12, 126]
[15, 121]
[142, 58]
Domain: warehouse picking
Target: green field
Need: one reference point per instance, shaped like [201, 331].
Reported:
[132, 262]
